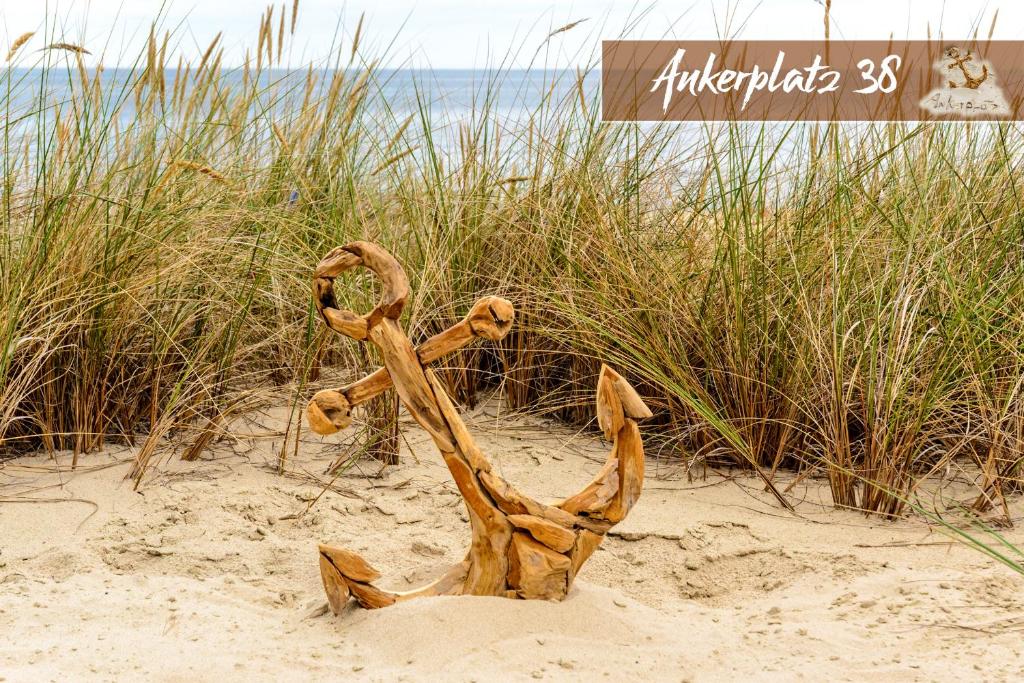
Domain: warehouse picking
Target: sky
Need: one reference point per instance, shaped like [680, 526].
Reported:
[474, 33]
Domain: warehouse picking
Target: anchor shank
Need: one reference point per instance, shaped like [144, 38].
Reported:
[403, 366]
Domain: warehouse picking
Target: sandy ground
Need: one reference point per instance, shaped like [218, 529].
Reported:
[209, 572]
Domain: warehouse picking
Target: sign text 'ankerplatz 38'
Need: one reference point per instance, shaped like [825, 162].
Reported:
[812, 80]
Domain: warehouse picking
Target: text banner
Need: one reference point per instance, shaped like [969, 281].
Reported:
[645, 80]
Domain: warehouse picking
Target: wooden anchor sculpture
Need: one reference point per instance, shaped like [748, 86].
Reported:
[960, 61]
[520, 548]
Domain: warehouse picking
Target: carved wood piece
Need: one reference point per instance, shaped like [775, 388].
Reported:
[512, 502]
[598, 494]
[474, 456]
[328, 411]
[556, 537]
[349, 564]
[410, 382]
[535, 571]
[586, 543]
[520, 547]
[335, 585]
[630, 450]
[395, 289]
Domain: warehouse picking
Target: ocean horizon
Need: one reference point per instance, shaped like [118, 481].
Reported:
[506, 93]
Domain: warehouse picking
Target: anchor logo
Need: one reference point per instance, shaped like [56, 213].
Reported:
[521, 548]
[979, 95]
[960, 61]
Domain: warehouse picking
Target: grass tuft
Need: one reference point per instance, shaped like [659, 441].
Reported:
[846, 302]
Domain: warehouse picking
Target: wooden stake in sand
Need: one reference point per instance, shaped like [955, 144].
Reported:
[520, 548]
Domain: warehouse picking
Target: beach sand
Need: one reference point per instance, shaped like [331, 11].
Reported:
[209, 572]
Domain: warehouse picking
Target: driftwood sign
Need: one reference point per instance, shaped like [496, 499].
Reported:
[520, 548]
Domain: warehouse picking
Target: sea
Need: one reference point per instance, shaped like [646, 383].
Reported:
[506, 94]
[448, 98]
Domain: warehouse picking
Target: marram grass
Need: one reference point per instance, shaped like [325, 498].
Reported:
[844, 302]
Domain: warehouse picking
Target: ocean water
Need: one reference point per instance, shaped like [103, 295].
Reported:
[445, 97]
[441, 93]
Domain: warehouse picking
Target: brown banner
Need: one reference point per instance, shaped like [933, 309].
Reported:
[812, 81]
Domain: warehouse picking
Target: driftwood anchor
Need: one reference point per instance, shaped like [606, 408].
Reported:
[520, 548]
[960, 61]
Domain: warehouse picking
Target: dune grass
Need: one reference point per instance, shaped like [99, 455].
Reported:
[842, 301]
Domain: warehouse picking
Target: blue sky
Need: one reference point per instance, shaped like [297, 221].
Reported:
[468, 33]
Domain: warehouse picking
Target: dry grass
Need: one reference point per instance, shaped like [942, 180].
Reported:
[848, 303]
[18, 43]
[68, 47]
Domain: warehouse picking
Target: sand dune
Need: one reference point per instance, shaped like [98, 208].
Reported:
[209, 572]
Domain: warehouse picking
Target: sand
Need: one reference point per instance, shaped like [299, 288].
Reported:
[209, 572]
